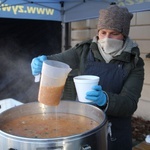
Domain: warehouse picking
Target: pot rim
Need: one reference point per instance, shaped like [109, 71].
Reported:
[71, 137]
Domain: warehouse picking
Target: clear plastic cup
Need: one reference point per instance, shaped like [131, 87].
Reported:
[53, 78]
[83, 84]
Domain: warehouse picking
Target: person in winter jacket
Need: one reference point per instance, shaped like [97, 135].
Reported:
[115, 58]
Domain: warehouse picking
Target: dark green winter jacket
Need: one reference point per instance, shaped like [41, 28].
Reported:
[125, 103]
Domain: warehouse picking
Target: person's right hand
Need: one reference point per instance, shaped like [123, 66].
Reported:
[36, 64]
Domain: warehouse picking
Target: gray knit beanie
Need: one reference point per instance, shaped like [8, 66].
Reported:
[116, 18]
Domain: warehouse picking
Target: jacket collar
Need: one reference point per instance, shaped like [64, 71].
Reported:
[125, 56]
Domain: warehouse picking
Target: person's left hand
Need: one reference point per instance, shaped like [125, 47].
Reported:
[97, 96]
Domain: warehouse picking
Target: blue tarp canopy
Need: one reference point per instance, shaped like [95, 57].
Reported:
[63, 10]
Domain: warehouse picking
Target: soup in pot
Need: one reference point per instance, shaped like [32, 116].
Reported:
[50, 125]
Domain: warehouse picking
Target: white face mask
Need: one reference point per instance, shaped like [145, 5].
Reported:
[110, 45]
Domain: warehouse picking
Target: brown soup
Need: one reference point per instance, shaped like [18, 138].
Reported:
[49, 125]
[50, 95]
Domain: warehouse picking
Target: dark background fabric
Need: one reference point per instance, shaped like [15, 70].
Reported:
[20, 41]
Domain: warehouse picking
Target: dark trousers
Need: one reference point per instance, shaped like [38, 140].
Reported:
[121, 138]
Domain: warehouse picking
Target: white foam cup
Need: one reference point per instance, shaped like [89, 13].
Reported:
[83, 84]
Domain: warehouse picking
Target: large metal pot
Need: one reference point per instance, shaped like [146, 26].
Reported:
[95, 139]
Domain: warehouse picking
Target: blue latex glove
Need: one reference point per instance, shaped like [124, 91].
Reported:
[97, 96]
[36, 64]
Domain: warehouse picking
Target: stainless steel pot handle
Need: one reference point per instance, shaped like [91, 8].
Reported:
[86, 147]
